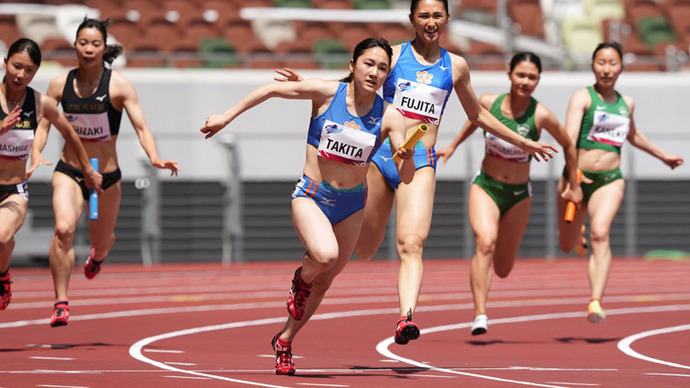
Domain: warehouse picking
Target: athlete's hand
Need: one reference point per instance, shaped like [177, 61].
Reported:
[169, 164]
[11, 120]
[445, 154]
[673, 161]
[214, 123]
[288, 75]
[36, 160]
[573, 194]
[94, 180]
[538, 150]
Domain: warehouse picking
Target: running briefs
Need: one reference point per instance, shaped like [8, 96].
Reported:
[383, 159]
[336, 204]
[20, 188]
[599, 180]
[505, 195]
[109, 179]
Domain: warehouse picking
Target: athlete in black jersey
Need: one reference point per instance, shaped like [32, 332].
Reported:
[93, 98]
[21, 109]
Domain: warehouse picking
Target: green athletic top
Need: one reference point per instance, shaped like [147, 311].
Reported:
[524, 126]
[605, 125]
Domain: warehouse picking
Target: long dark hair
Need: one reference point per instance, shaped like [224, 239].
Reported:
[415, 3]
[525, 56]
[111, 51]
[614, 45]
[28, 45]
[365, 45]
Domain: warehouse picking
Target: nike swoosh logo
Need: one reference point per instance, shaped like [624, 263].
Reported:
[516, 193]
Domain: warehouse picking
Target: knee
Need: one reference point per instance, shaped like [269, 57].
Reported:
[410, 246]
[323, 260]
[64, 233]
[485, 246]
[365, 252]
[6, 241]
[502, 270]
[599, 235]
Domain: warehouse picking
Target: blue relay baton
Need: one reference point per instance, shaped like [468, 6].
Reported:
[93, 198]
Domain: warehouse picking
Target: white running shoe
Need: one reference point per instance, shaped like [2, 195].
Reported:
[480, 325]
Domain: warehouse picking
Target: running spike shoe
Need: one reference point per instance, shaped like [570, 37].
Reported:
[297, 298]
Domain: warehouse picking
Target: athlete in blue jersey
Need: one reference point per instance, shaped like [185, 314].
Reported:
[500, 197]
[21, 108]
[345, 131]
[422, 78]
[93, 97]
[600, 120]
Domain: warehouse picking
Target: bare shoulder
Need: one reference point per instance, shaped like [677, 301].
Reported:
[461, 69]
[487, 99]
[629, 101]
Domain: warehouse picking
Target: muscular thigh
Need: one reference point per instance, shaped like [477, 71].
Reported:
[68, 203]
[511, 230]
[604, 204]
[414, 204]
[12, 214]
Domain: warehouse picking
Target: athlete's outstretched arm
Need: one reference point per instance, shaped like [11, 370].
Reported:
[467, 130]
[312, 89]
[639, 140]
[131, 104]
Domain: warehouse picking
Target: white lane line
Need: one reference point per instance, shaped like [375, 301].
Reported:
[624, 345]
[187, 377]
[322, 385]
[382, 346]
[164, 351]
[179, 363]
[53, 358]
[60, 386]
[575, 384]
[667, 374]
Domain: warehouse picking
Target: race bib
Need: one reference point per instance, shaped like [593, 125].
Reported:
[609, 128]
[346, 144]
[90, 126]
[419, 101]
[16, 144]
[499, 148]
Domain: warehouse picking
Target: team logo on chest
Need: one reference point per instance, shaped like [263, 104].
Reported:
[523, 130]
[424, 78]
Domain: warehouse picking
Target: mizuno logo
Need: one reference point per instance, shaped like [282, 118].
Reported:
[374, 120]
[101, 98]
[443, 67]
[78, 179]
[328, 201]
[28, 114]
[385, 159]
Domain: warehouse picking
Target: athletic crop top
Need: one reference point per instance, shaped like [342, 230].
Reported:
[340, 136]
[94, 117]
[605, 125]
[524, 126]
[419, 91]
[15, 144]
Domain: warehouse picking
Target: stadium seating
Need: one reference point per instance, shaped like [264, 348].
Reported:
[528, 15]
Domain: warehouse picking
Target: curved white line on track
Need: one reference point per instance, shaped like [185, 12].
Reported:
[624, 345]
[136, 350]
[382, 346]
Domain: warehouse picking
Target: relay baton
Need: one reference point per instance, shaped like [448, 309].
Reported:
[412, 139]
[570, 207]
[93, 197]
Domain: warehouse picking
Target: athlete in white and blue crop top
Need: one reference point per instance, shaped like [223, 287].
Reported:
[94, 98]
[417, 89]
[21, 109]
[344, 133]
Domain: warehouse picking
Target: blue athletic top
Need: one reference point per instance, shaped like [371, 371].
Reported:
[419, 91]
[15, 144]
[341, 136]
[94, 117]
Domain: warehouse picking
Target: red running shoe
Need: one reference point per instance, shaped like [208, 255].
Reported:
[283, 351]
[406, 330]
[297, 298]
[60, 314]
[5, 291]
[92, 267]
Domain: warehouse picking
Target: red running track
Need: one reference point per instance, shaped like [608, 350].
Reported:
[204, 325]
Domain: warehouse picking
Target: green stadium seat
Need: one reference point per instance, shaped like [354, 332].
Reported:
[212, 46]
[371, 4]
[655, 30]
[292, 3]
[331, 53]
